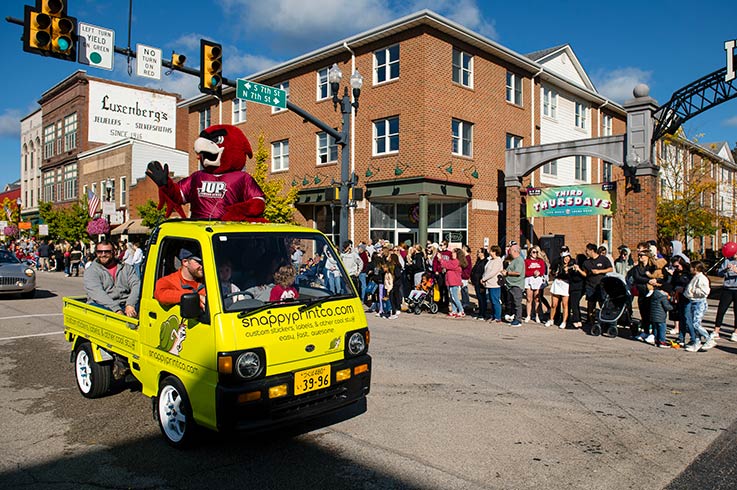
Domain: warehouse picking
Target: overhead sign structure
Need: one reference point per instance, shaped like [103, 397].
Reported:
[96, 46]
[148, 62]
[575, 200]
[729, 48]
[261, 94]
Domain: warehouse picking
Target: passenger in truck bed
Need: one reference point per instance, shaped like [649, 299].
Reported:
[110, 284]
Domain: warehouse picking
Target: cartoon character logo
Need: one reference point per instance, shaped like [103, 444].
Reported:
[172, 335]
[335, 343]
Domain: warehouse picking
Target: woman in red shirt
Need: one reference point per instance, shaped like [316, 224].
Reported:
[535, 272]
[453, 268]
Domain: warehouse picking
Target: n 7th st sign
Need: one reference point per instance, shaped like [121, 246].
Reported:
[261, 94]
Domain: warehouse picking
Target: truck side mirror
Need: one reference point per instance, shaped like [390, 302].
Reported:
[189, 305]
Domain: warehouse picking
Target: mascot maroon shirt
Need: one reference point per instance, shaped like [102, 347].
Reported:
[222, 190]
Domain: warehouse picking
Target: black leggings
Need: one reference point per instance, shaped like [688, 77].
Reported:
[574, 304]
[726, 297]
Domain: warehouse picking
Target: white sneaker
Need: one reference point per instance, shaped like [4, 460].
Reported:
[733, 338]
[715, 336]
[650, 339]
[549, 323]
[393, 317]
[709, 344]
[562, 325]
[526, 319]
[695, 347]
[641, 337]
[509, 318]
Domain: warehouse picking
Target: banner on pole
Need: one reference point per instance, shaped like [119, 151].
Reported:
[574, 200]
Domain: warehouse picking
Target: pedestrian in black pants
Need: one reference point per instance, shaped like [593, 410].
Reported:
[395, 295]
[728, 296]
[575, 291]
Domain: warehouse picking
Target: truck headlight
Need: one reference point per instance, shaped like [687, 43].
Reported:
[248, 365]
[356, 343]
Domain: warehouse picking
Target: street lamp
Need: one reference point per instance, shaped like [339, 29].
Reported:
[346, 107]
[18, 203]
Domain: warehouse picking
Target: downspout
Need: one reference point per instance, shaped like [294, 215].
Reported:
[532, 140]
[599, 219]
[352, 210]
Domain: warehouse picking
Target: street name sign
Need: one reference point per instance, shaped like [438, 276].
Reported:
[148, 62]
[261, 94]
[96, 46]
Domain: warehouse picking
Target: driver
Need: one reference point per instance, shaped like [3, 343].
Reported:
[189, 278]
[227, 288]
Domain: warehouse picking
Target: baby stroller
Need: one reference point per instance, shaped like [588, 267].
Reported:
[420, 299]
[617, 307]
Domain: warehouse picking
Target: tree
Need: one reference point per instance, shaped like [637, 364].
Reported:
[686, 201]
[8, 205]
[150, 215]
[65, 223]
[279, 204]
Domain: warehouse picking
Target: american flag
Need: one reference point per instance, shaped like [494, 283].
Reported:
[92, 202]
[8, 212]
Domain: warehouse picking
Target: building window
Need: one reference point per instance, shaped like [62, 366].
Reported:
[94, 189]
[25, 162]
[70, 132]
[551, 168]
[239, 111]
[607, 172]
[33, 157]
[323, 86]
[280, 156]
[513, 141]
[386, 136]
[582, 170]
[327, 149]
[59, 139]
[285, 87]
[386, 64]
[49, 141]
[32, 202]
[606, 231]
[110, 192]
[550, 103]
[606, 125]
[204, 119]
[462, 138]
[48, 191]
[581, 115]
[514, 88]
[462, 68]
[123, 191]
[70, 182]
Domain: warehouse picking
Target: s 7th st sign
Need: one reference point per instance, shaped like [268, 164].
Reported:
[261, 94]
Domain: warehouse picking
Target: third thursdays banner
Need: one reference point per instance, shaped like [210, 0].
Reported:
[574, 200]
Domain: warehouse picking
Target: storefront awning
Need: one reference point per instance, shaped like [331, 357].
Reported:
[131, 227]
[396, 189]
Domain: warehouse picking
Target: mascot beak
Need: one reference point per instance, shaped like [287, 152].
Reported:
[208, 152]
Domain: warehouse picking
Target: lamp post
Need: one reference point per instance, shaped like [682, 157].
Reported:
[108, 195]
[19, 203]
[346, 107]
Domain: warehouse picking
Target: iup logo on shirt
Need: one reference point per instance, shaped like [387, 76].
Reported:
[212, 189]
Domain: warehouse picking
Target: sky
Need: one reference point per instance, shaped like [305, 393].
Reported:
[665, 44]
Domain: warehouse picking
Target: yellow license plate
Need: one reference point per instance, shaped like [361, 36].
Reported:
[311, 379]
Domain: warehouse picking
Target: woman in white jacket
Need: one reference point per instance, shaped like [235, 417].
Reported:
[490, 281]
[697, 291]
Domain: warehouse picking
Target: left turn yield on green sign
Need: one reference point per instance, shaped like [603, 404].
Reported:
[96, 46]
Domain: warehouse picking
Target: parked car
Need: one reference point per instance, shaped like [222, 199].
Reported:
[16, 277]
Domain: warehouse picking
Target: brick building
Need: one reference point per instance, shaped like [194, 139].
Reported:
[97, 134]
[439, 106]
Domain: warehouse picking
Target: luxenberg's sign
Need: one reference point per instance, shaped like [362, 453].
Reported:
[117, 113]
[729, 48]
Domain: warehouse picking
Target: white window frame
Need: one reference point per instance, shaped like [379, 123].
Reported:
[607, 171]
[581, 170]
[581, 116]
[323, 85]
[387, 136]
[59, 137]
[49, 141]
[205, 118]
[239, 111]
[459, 70]
[325, 145]
[70, 132]
[123, 191]
[514, 89]
[285, 87]
[280, 156]
[513, 141]
[462, 134]
[550, 103]
[606, 125]
[385, 68]
[551, 168]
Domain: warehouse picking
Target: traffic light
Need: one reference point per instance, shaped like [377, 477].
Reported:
[211, 68]
[355, 193]
[178, 59]
[48, 30]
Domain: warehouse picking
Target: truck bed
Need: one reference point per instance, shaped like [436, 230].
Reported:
[111, 331]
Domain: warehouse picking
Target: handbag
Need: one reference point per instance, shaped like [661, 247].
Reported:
[436, 293]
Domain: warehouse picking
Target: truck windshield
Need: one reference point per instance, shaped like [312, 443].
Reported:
[257, 270]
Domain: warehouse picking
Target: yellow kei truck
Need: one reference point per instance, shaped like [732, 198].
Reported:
[244, 361]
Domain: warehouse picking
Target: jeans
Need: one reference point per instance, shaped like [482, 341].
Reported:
[495, 303]
[334, 283]
[362, 283]
[660, 332]
[515, 296]
[695, 310]
[465, 299]
[455, 299]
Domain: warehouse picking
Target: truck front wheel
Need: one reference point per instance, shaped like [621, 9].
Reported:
[174, 413]
[93, 379]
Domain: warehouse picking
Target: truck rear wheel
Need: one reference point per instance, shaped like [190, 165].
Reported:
[93, 379]
[174, 413]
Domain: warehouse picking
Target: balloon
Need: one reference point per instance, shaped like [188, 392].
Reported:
[729, 249]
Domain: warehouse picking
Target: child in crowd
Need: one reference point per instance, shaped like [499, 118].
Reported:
[422, 288]
[284, 284]
[660, 305]
[386, 305]
[697, 292]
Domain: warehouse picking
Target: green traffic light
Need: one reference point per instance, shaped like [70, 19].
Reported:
[64, 43]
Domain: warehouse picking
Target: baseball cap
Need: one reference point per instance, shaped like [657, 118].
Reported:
[186, 254]
[565, 253]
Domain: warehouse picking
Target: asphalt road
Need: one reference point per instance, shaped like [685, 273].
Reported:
[455, 404]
